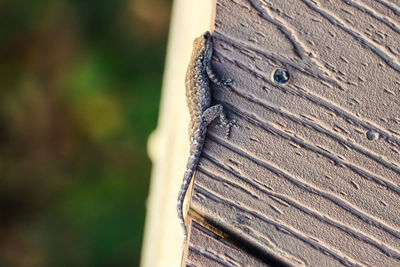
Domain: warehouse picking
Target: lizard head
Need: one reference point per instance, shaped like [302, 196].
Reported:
[202, 39]
[202, 46]
[207, 35]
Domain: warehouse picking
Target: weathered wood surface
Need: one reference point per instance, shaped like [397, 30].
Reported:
[312, 175]
[207, 249]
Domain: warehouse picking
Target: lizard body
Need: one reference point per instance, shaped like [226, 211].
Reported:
[198, 97]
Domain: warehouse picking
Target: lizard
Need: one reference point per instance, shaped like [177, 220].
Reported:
[202, 113]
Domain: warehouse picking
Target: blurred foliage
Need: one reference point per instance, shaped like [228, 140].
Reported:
[79, 93]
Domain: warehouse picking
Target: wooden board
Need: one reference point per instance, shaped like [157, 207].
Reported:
[312, 174]
[207, 249]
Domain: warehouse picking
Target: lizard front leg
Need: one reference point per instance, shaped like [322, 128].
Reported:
[214, 78]
[215, 111]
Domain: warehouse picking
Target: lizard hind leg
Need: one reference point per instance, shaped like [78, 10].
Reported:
[214, 112]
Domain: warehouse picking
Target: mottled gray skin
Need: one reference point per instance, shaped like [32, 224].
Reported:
[198, 97]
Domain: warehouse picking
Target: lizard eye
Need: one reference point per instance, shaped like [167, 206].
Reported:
[206, 35]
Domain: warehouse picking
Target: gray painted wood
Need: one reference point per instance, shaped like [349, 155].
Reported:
[207, 249]
[312, 174]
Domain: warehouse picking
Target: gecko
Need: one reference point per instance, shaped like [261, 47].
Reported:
[202, 113]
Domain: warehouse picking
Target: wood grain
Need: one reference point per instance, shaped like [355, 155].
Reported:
[207, 249]
[312, 175]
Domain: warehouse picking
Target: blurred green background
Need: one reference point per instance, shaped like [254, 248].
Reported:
[79, 94]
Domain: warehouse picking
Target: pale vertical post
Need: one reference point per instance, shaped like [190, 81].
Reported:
[168, 145]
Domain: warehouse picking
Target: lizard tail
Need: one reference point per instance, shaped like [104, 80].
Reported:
[195, 151]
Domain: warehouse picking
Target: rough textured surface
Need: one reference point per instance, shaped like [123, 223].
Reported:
[312, 175]
[206, 249]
